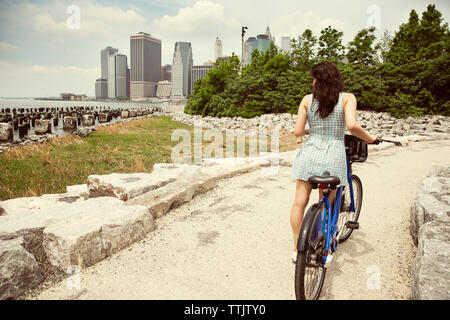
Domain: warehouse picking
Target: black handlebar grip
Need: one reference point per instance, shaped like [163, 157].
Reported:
[377, 141]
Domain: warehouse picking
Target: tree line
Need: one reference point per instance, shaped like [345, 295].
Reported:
[405, 74]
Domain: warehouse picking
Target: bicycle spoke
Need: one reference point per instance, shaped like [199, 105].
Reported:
[312, 278]
[347, 215]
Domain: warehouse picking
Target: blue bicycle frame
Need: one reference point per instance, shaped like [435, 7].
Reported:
[332, 228]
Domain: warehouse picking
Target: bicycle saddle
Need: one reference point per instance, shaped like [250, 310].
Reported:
[324, 181]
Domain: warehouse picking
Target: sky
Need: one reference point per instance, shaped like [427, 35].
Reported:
[45, 51]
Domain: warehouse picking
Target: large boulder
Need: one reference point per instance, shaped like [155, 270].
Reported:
[96, 229]
[161, 200]
[432, 201]
[80, 190]
[430, 230]
[431, 267]
[19, 270]
[34, 212]
[126, 186]
[75, 231]
[440, 171]
[194, 180]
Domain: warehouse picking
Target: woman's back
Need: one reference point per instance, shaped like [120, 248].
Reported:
[330, 128]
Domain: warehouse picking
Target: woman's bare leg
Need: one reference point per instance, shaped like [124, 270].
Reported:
[302, 192]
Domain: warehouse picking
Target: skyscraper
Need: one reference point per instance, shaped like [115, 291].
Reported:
[117, 75]
[106, 65]
[112, 76]
[101, 88]
[181, 70]
[145, 59]
[128, 82]
[121, 75]
[164, 89]
[248, 49]
[104, 60]
[166, 73]
[218, 49]
[262, 42]
[199, 72]
[286, 44]
[269, 35]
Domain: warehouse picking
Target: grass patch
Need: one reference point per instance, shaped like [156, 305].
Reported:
[124, 147]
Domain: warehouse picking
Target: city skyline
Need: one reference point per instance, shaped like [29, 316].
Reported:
[41, 56]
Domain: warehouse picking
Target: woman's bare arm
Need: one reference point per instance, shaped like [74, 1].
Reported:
[350, 120]
[299, 129]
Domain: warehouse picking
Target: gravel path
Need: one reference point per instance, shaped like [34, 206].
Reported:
[234, 242]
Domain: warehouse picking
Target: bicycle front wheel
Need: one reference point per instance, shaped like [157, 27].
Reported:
[309, 269]
[345, 214]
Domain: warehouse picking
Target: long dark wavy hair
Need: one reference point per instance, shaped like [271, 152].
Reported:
[329, 83]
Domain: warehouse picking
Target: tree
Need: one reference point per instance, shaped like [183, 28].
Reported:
[303, 50]
[361, 49]
[330, 44]
[383, 46]
[431, 34]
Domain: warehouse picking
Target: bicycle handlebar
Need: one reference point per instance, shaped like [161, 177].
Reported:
[378, 140]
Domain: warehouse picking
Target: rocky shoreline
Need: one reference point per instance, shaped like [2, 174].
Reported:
[376, 123]
[80, 131]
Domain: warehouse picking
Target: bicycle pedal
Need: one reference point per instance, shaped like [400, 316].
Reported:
[352, 225]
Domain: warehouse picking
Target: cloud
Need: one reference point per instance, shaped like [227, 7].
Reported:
[7, 47]
[204, 17]
[96, 22]
[198, 23]
[294, 23]
[21, 80]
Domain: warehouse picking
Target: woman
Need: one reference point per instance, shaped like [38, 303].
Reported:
[328, 110]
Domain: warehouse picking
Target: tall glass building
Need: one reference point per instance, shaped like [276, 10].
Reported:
[262, 42]
[107, 70]
[199, 72]
[166, 73]
[101, 88]
[181, 70]
[248, 49]
[145, 60]
[113, 81]
[121, 75]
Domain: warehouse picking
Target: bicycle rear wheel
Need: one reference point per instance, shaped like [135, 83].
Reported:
[345, 214]
[309, 269]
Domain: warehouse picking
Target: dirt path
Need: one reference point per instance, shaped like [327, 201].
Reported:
[234, 242]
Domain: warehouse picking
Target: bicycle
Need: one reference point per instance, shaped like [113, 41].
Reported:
[323, 229]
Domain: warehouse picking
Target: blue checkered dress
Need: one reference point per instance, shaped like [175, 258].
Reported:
[324, 150]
